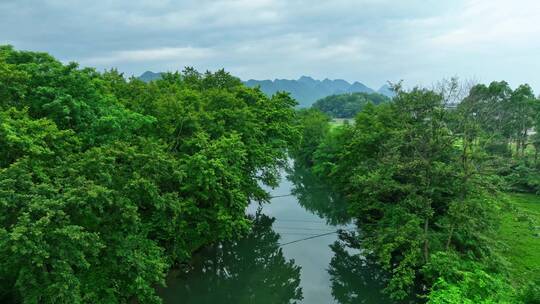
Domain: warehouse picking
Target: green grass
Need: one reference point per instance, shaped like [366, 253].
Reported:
[520, 232]
[337, 122]
[529, 150]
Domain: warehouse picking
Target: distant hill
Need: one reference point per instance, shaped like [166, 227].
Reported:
[305, 89]
[349, 104]
[149, 76]
[386, 91]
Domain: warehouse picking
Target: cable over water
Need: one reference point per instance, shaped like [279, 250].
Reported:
[313, 237]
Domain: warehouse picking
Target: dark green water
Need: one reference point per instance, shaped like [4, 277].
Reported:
[265, 267]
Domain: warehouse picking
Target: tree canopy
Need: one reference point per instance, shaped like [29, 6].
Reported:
[105, 183]
[347, 105]
[425, 182]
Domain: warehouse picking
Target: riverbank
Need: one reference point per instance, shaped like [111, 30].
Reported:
[520, 234]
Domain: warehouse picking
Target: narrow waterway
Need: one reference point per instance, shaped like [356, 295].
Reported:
[297, 252]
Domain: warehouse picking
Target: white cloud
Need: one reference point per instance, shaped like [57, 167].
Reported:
[185, 54]
[495, 22]
[371, 41]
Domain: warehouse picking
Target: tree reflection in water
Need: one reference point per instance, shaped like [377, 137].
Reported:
[355, 278]
[254, 269]
[250, 270]
[316, 198]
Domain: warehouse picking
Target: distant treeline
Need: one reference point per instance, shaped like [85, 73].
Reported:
[305, 90]
[347, 105]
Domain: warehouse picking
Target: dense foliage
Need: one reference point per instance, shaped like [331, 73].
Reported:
[424, 183]
[105, 183]
[347, 105]
[315, 128]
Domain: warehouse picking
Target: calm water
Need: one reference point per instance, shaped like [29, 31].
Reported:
[298, 252]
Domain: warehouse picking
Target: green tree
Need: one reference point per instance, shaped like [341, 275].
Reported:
[106, 183]
[347, 105]
[412, 174]
[314, 126]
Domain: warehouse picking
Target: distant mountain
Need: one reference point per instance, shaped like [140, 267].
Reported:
[305, 89]
[149, 76]
[386, 91]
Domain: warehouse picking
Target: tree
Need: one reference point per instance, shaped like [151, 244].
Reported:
[347, 105]
[106, 183]
[314, 126]
[410, 173]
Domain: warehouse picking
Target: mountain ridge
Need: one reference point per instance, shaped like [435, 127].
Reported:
[306, 90]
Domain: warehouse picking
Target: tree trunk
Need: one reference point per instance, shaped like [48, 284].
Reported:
[426, 241]
[449, 240]
[524, 143]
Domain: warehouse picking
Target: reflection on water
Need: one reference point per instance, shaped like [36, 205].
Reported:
[316, 198]
[317, 268]
[355, 279]
[250, 270]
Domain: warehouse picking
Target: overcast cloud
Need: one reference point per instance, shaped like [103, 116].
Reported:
[372, 41]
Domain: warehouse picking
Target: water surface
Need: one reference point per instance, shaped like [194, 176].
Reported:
[298, 252]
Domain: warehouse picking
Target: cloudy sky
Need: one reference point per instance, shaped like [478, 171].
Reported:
[372, 41]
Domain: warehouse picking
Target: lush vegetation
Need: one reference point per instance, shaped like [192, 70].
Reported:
[106, 183]
[347, 105]
[425, 183]
[520, 233]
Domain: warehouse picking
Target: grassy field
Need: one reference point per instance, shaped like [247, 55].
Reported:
[520, 232]
[336, 122]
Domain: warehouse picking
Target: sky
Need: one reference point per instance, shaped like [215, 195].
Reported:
[371, 41]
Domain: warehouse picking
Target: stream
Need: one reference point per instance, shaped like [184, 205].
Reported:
[297, 252]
